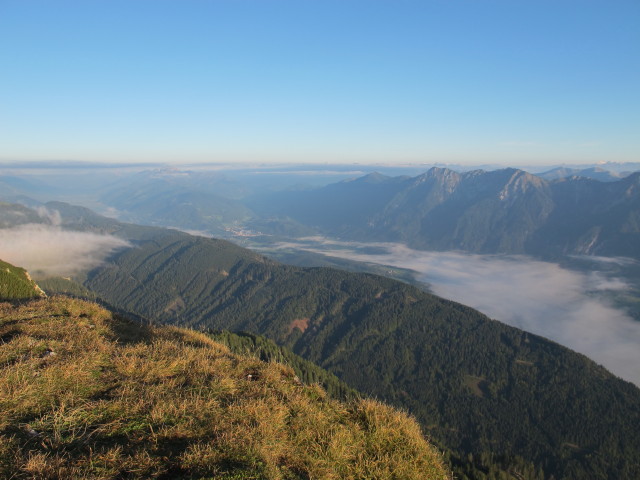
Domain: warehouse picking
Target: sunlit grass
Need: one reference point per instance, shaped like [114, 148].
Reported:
[84, 394]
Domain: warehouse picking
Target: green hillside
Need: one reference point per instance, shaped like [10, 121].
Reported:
[86, 394]
[16, 284]
[65, 286]
[477, 385]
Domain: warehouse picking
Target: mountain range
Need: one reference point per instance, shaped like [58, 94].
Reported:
[563, 211]
[595, 173]
[502, 211]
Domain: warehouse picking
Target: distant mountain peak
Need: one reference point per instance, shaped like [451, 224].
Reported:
[519, 181]
[374, 177]
[439, 172]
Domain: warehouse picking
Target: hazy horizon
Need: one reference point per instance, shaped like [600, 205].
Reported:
[30, 166]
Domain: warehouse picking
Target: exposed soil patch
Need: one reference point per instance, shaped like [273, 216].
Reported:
[571, 445]
[300, 323]
[524, 362]
[175, 306]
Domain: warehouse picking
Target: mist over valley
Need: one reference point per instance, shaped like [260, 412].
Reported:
[575, 308]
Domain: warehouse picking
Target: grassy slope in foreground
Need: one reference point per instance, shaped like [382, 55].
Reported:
[250, 344]
[85, 394]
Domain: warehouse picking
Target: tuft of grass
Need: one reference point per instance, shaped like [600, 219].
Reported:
[86, 394]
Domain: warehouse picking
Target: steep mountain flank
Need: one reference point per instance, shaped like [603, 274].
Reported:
[245, 343]
[476, 211]
[503, 211]
[592, 218]
[336, 208]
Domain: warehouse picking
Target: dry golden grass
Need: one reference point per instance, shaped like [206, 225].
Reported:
[84, 394]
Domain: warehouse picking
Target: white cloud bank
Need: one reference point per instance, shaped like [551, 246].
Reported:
[543, 298]
[47, 250]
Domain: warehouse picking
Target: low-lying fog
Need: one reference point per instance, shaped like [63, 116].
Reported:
[543, 298]
[47, 250]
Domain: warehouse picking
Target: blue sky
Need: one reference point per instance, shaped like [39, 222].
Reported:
[512, 81]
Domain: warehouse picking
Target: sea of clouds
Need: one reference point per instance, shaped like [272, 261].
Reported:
[567, 306]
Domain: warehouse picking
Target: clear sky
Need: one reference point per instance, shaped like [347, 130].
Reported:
[511, 81]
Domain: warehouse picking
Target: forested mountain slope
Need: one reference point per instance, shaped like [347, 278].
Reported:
[16, 284]
[12, 214]
[476, 384]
